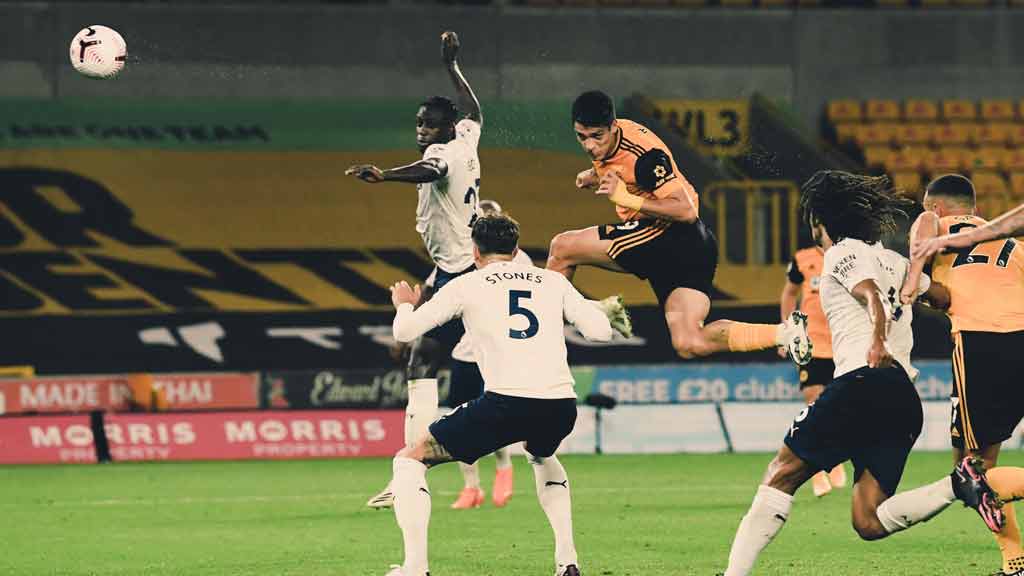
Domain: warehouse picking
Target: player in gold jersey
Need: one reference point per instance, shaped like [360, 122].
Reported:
[1008, 225]
[803, 278]
[660, 237]
[986, 308]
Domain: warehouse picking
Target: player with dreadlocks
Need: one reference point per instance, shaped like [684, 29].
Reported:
[872, 339]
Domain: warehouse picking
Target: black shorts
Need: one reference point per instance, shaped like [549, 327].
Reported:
[817, 372]
[669, 255]
[449, 333]
[494, 421]
[870, 416]
[988, 396]
[466, 383]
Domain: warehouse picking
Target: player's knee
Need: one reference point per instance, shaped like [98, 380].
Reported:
[559, 251]
[690, 346]
[868, 527]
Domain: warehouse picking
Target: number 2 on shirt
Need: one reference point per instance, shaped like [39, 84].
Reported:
[515, 309]
[473, 199]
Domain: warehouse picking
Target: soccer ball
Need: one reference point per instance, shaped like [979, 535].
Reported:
[98, 52]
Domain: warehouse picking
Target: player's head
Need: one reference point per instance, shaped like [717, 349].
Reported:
[949, 194]
[652, 169]
[435, 122]
[490, 208]
[850, 205]
[495, 235]
[593, 119]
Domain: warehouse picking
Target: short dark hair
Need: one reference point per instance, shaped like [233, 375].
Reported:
[851, 205]
[952, 186]
[593, 108]
[444, 106]
[652, 169]
[496, 234]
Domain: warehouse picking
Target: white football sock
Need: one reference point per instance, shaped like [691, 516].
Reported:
[412, 511]
[502, 458]
[471, 474]
[421, 410]
[553, 493]
[918, 505]
[767, 514]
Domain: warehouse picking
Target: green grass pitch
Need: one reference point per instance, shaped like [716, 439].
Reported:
[634, 515]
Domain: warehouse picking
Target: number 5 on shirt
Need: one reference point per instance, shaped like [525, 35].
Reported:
[515, 309]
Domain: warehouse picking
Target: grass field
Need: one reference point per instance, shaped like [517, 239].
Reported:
[634, 515]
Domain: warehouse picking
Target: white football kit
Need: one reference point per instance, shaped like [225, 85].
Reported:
[447, 207]
[847, 263]
[515, 316]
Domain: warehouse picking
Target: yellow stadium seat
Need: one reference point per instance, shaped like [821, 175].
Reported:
[1017, 134]
[988, 183]
[845, 111]
[959, 110]
[846, 131]
[878, 156]
[920, 110]
[882, 110]
[991, 204]
[990, 133]
[872, 134]
[947, 159]
[955, 133]
[1013, 160]
[997, 110]
[985, 158]
[907, 159]
[1017, 185]
[909, 182]
[914, 133]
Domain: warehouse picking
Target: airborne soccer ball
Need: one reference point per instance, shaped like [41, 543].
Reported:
[98, 52]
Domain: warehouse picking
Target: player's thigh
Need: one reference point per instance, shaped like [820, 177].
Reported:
[685, 312]
[586, 246]
[988, 401]
[788, 471]
[549, 422]
[477, 428]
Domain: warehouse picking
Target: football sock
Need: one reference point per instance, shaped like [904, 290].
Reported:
[1008, 482]
[502, 458]
[767, 514]
[918, 505]
[470, 474]
[421, 409]
[412, 511]
[553, 493]
[745, 337]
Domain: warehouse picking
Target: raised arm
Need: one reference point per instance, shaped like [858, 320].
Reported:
[426, 170]
[1009, 225]
[585, 316]
[467, 100]
[867, 292]
[925, 228]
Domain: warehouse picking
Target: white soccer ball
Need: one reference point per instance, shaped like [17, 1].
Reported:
[98, 52]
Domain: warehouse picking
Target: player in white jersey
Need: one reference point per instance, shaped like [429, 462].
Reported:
[870, 413]
[447, 182]
[515, 316]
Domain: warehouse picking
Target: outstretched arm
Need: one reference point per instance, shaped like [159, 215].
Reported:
[466, 98]
[1008, 225]
[426, 170]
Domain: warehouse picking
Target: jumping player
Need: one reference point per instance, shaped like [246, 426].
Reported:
[986, 310]
[872, 340]
[515, 315]
[659, 238]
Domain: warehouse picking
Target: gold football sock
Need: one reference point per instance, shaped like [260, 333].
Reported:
[1008, 482]
[745, 337]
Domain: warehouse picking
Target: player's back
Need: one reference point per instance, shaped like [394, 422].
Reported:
[635, 140]
[515, 315]
[985, 281]
[848, 263]
[809, 262]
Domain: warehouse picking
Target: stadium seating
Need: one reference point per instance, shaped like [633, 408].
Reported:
[917, 139]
